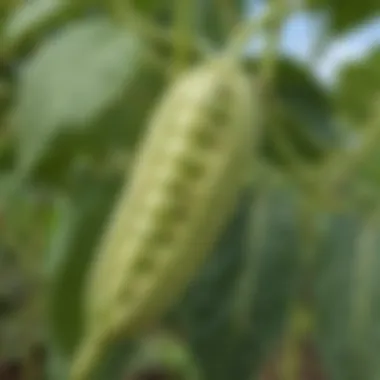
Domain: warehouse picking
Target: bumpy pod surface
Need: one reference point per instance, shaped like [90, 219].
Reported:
[185, 184]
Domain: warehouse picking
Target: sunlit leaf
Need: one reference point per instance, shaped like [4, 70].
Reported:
[29, 20]
[90, 86]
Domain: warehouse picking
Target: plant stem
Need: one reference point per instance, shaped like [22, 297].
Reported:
[184, 31]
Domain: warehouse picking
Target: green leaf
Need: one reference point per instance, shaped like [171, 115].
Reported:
[348, 297]
[30, 20]
[80, 225]
[357, 88]
[235, 310]
[87, 89]
[343, 14]
[299, 115]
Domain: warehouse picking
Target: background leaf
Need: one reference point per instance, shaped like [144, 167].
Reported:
[357, 88]
[207, 314]
[75, 96]
[30, 20]
[298, 111]
[345, 15]
[347, 297]
[80, 225]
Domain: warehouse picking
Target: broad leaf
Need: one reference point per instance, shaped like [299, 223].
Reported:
[235, 310]
[348, 298]
[299, 115]
[87, 89]
[357, 88]
[81, 222]
[30, 20]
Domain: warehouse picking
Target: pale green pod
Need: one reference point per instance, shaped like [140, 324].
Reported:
[183, 188]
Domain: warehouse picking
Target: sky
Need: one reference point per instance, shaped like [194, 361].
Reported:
[301, 33]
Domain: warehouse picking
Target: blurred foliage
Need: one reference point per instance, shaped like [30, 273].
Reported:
[235, 310]
[217, 19]
[300, 113]
[80, 218]
[78, 83]
[344, 15]
[26, 22]
[347, 296]
[74, 95]
[361, 77]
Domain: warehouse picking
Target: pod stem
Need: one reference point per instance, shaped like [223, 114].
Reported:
[88, 356]
[245, 30]
[184, 28]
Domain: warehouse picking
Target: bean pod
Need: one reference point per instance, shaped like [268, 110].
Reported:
[184, 187]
